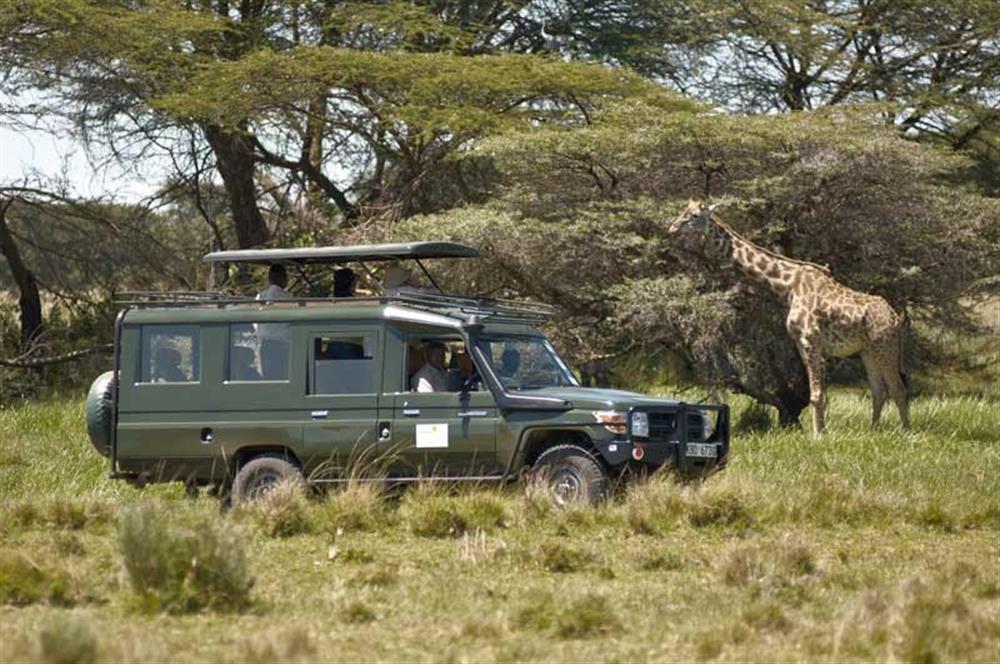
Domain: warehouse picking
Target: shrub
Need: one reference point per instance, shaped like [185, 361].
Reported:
[357, 612]
[654, 506]
[378, 576]
[559, 557]
[178, 566]
[766, 616]
[769, 563]
[360, 506]
[720, 506]
[67, 640]
[591, 615]
[281, 512]
[23, 581]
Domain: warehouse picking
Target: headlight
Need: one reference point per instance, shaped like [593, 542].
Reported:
[707, 425]
[640, 424]
[612, 421]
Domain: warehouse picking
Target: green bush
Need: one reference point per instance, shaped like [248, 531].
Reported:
[178, 565]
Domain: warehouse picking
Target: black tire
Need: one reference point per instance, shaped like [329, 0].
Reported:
[572, 474]
[259, 475]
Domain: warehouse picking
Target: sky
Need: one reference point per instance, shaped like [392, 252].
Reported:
[25, 154]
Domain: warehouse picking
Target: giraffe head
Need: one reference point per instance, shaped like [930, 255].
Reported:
[696, 217]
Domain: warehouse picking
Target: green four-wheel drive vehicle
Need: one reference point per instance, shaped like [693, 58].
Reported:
[237, 393]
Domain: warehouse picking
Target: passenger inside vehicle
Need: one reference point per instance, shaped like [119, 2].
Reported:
[167, 366]
[432, 376]
[510, 362]
[244, 360]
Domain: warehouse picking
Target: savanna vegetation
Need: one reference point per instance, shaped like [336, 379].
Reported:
[561, 138]
[861, 546]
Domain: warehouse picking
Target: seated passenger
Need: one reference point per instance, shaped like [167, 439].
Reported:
[243, 364]
[344, 282]
[432, 377]
[510, 362]
[167, 366]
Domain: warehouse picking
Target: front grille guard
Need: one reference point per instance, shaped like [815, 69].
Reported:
[682, 434]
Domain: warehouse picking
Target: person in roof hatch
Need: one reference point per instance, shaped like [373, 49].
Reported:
[344, 282]
[273, 337]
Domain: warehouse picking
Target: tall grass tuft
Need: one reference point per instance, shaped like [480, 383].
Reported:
[358, 507]
[431, 510]
[283, 511]
[177, 565]
[24, 581]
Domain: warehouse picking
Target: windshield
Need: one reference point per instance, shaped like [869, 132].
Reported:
[524, 363]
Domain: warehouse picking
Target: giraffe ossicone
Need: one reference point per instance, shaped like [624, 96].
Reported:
[825, 318]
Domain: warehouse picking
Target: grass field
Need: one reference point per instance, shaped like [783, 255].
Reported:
[860, 546]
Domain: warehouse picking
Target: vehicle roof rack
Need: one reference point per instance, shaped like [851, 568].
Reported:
[465, 307]
[348, 254]
[492, 309]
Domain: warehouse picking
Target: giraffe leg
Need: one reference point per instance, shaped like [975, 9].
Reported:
[897, 390]
[813, 361]
[877, 385]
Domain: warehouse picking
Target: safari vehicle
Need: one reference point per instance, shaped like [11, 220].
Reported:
[197, 401]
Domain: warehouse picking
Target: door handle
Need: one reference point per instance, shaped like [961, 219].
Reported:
[319, 414]
[473, 413]
[411, 412]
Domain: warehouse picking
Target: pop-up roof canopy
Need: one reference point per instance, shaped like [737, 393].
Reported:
[363, 253]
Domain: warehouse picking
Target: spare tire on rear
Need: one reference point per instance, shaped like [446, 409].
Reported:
[100, 403]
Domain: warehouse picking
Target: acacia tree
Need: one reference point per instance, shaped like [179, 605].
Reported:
[581, 221]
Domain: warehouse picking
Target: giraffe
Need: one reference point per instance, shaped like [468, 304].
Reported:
[825, 318]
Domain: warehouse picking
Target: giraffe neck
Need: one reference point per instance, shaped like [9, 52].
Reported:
[761, 265]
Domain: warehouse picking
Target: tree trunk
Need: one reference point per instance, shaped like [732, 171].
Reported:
[234, 158]
[29, 301]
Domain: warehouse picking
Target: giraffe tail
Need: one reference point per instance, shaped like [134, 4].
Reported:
[904, 328]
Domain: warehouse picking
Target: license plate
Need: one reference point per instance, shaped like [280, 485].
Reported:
[702, 450]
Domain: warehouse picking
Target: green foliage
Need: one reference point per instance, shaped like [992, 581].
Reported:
[581, 219]
[181, 565]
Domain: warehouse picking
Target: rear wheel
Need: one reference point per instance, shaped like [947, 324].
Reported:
[258, 476]
[571, 475]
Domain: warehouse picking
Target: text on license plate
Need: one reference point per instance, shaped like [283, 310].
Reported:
[703, 450]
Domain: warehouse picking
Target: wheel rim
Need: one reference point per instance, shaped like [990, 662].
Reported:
[566, 485]
[261, 485]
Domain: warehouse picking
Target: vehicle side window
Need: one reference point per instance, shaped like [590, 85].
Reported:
[343, 365]
[258, 351]
[170, 354]
[437, 364]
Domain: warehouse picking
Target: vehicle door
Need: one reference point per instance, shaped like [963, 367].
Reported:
[342, 397]
[450, 431]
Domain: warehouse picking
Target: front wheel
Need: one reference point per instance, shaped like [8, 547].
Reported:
[257, 477]
[572, 475]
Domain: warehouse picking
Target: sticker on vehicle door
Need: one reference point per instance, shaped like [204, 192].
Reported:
[432, 435]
